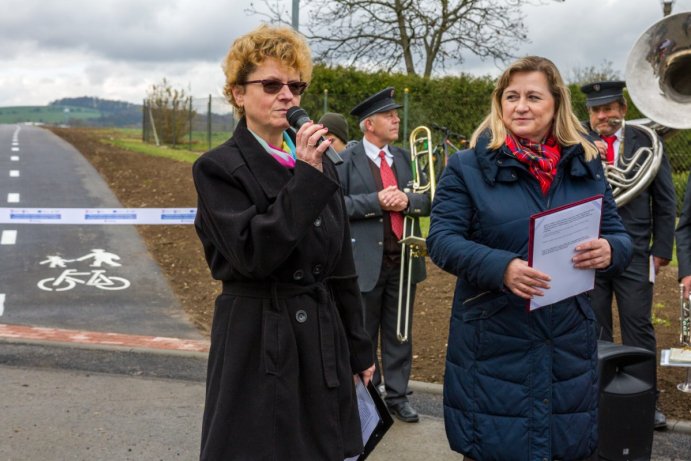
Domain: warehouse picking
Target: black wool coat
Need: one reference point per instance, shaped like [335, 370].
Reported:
[288, 332]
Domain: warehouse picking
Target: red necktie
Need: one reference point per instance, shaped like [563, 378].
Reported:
[389, 179]
[610, 147]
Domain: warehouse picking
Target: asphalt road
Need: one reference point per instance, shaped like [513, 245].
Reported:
[93, 277]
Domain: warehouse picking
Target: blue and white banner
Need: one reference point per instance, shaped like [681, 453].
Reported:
[97, 215]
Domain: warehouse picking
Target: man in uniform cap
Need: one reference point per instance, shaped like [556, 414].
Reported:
[649, 219]
[338, 130]
[374, 176]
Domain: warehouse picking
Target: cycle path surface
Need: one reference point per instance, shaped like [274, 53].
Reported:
[95, 278]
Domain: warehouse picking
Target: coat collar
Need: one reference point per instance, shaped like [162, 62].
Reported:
[499, 165]
[270, 175]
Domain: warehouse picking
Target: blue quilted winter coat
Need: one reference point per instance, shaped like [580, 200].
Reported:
[518, 385]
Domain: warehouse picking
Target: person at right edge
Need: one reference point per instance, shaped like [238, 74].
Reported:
[521, 385]
[683, 236]
[649, 219]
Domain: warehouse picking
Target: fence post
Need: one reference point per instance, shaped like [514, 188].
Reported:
[144, 137]
[405, 116]
[190, 124]
[208, 123]
[175, 128]
[326, 100]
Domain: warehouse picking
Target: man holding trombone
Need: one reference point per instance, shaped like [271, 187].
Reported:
[374, 176]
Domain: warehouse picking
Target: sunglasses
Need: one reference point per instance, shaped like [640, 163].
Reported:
[274, 86]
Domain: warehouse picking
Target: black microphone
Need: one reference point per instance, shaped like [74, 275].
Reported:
[297, 117]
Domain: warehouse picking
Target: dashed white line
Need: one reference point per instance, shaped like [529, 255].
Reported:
[14, 173]
[14, 158]
[8, 237]
[13, 197]
[15, 149]
[2, 304]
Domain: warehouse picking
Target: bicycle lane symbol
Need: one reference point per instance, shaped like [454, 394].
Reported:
[70, 278]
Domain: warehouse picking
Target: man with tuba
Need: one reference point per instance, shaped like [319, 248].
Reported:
[373, 176]
[649, 218]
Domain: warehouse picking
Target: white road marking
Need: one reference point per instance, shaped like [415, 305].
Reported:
[14, 158]
[14, 173]
[15, 149]
[2, 304]
[13, 197]
[8, 237]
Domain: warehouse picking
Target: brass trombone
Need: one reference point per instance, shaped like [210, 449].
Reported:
[412, 244]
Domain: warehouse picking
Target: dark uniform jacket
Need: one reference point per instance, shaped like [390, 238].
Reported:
[649, 218]
[366, 215]
[683, 234]
[518, 385]
[288, 331]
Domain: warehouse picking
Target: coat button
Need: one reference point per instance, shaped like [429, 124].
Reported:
[317, 269]
[301, 316]
[546, 401]
[318, 222]
[380, 243]
[298, 275]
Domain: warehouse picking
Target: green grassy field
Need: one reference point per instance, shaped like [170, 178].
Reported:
[45, 114]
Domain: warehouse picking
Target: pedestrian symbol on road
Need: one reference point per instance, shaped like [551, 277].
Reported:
[70, 278]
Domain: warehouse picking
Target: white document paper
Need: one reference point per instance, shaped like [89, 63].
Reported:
[554, 237]
[369, 417]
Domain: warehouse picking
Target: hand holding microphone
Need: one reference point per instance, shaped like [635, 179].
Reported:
[297, 117]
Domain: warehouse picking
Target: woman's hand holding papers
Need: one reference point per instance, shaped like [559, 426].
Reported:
[523, 280]
[595, 254]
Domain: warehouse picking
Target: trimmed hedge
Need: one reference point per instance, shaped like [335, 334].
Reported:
[458, 102]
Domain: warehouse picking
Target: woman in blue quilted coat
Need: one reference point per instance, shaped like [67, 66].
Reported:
[521, 385]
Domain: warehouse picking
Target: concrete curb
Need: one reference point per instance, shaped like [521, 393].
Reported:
[38, 339]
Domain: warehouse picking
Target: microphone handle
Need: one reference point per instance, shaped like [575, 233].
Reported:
[332, 155]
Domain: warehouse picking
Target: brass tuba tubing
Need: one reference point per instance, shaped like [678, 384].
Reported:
[657, 71]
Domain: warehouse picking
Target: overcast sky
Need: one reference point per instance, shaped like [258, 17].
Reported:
[116, 49]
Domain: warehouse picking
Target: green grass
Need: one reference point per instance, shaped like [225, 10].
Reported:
[45, 114]
[130, 139]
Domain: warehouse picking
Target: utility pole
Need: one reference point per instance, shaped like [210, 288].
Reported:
[296, 14]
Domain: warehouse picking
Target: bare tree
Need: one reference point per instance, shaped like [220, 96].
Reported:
[589, 74]
[415, 33]
[170, 110]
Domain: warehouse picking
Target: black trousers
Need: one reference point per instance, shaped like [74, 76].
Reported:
[381, 308]
[634, 295]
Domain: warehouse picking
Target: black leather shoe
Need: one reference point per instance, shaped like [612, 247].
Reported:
[404, 412]
[660, 420]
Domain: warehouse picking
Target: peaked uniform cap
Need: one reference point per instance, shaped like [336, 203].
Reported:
[600, 93]
[379, 102]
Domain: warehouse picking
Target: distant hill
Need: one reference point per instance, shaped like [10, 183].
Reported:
[112, 113]
[80, 111]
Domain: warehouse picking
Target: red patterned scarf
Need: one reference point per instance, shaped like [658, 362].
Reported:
[541, 159]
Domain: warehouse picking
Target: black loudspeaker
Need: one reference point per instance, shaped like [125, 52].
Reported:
[627, 402]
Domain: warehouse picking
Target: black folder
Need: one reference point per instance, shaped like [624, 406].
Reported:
[385, 422]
